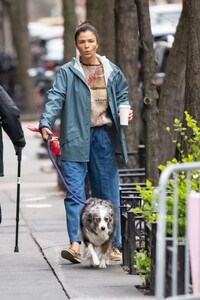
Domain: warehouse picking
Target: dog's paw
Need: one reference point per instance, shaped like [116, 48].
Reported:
[92, 264]
[102, 264]
[95, 262]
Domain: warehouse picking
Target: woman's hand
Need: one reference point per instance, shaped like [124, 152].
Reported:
[130, 117]
[45, 132]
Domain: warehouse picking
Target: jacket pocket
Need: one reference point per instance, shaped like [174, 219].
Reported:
[70, 137]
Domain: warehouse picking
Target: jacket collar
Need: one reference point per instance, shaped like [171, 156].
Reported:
[105, 62]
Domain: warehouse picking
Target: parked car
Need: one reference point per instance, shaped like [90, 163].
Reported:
[161, 53]
[46, 37]
[165, 14]
[54, 52]
[164, 19]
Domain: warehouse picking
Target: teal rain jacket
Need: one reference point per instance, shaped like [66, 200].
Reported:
[70, 100]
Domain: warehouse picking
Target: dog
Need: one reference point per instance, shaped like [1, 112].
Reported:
[98, 224]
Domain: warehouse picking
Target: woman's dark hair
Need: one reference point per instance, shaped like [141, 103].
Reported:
[83, 27]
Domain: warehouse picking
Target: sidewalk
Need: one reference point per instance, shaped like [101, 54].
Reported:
[38, 271]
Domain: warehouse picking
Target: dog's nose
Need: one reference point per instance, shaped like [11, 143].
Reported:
[103, 228]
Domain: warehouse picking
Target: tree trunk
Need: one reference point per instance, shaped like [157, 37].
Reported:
[101, 15]
[7, 33]
[149, 91]
[69, 28]
[18, 15]
[126, 49]
[171, 102]
[192, 90]
[2, 37]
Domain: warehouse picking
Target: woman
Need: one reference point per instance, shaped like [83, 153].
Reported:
[86, 94]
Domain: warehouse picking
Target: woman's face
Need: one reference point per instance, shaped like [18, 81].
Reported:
[87, 45]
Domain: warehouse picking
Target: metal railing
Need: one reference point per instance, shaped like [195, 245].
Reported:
[168, 245]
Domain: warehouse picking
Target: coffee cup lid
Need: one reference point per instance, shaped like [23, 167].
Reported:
[124, 105]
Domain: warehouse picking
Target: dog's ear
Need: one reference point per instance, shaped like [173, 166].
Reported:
[90, 201]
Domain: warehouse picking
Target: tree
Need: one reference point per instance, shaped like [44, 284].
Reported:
[192, 89]
[2, 36]
[69, 27]
[149, 91]
[171, 101]
[17, 12]
[101, 15]
[126, 49]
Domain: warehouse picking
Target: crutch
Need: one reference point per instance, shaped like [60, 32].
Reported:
[19, 156]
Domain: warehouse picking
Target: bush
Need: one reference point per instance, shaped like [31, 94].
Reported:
[188, 151]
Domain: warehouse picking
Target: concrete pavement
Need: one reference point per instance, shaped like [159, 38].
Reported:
[37, 271]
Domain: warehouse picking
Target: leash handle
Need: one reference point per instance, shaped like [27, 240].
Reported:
[54, 146]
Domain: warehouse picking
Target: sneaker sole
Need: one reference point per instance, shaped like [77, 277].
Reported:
[69, 256]
[115, 259]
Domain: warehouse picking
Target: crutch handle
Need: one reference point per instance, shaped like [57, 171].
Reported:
[18, 151]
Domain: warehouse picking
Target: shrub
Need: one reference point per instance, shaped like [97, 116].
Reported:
[189, 151]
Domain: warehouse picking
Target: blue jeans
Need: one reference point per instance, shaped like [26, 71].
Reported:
[104, 181]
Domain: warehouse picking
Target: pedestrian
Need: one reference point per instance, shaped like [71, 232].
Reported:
[11, 124]
[86, 94]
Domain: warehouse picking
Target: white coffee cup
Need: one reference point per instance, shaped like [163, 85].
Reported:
[124, 110]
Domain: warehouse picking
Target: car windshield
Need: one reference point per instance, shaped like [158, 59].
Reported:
[165, 14]
[163, 18]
